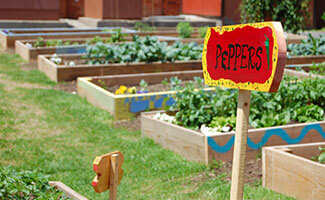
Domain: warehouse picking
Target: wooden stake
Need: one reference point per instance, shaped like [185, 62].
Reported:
[239, 155]
[113, 177]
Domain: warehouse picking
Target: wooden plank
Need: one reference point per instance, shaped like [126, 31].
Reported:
[188, 143]
[293, 175]
[238, 167]
[302, 133]
[9, 41]
[48, 67]
[301, 74]
[305, 59]
[96, 95]
[114, 177]
[150, 78]
[22, 50]
[221, 145]
[67, 190]
[65, 73]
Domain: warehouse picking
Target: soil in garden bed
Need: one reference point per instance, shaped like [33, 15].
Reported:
[158, 87]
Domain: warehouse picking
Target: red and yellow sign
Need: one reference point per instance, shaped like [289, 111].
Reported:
[245, 56]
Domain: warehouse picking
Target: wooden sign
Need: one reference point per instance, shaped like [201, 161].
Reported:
[109, 171]
[245, 56]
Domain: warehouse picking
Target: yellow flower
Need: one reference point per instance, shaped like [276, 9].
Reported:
[121, 90]
[132, 90]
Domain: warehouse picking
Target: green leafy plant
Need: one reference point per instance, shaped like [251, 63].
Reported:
[317, 68]
[54, 43]
[140, 26]
[323, 16]
[299, 101]
[165, 82]
[143, 85]
[223, 124]
[118, 36]
[184, 29]
[292, 13]
[203, 31]
[26, 185]
[39, 42]
[321, 157]
[309, 46]
[94, 40]
[146, 49]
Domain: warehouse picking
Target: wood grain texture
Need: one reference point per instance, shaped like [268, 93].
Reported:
[67, 190]
[22, 50]
[48, 67]
[292, 174]
[256, 136]
[8, 41]
[305, 59]
[239, 157]
[282, 56]
[167, 131]
[188, 143]
[102, 166]
[66, 73]
[301, 74]
[114, 177]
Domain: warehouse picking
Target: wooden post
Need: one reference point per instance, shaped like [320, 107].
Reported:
[113, 177]
[238, 164]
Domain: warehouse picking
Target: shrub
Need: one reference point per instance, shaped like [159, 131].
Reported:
[26, 185]
[184, 29]
[292, 13]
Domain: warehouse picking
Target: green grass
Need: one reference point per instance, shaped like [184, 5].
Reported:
[60, 134]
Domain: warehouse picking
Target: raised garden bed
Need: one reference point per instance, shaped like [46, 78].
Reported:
[26, 49]
[9, 36]
[68, 73]
[294, 114]
[289, 170]
[127, 106]
[194, 145]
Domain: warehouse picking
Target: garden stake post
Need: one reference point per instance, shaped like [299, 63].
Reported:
[109, 172]
[247, 57]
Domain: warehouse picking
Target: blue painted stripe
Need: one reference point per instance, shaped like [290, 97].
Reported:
[278, 132]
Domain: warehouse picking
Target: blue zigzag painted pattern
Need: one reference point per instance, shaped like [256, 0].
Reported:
[279, 132]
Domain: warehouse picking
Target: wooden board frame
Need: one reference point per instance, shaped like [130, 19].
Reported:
[30, 54]
[59, 73]
[193, 145]
[288, 170]
[8, 41]
[67, 190]
[128, 106]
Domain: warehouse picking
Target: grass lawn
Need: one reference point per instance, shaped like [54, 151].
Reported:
[60, 134]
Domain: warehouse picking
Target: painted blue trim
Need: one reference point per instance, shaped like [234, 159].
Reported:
[277, 131]
[142, 103]
[124, 30]
[70, 49]
[62, 29]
